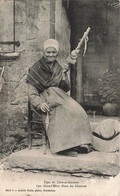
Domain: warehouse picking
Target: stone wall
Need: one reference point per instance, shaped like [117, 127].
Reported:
[32, 27]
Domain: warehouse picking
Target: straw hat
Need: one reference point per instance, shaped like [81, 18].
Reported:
[106, 137]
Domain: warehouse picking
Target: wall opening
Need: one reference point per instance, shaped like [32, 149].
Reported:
[103, 45]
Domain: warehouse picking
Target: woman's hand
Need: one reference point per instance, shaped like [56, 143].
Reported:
[45, 107]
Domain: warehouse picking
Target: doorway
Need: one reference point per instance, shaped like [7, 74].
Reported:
[103, 45]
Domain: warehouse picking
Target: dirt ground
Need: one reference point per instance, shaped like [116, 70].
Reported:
[45, 184]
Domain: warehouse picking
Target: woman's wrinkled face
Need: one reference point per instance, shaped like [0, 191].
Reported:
[50, 54]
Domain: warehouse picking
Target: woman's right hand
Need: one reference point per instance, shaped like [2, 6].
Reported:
[45, 107]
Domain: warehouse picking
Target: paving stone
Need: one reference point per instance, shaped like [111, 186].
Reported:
[99, 163]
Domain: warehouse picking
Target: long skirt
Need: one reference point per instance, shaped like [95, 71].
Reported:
[67, 123]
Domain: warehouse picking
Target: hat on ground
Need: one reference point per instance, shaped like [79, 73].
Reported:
[106, 137]
[51, 43]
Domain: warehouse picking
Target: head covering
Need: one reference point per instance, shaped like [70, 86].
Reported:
[106, 136]
[51, 43]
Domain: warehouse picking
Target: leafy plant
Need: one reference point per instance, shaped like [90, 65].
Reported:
[108, 87]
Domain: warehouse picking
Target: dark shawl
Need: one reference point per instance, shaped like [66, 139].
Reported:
[42, 76]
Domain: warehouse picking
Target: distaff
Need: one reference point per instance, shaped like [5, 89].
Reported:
[71, 59]
[1, 78]
[75, 52]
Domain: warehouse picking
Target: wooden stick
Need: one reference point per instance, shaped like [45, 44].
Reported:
[2, 71]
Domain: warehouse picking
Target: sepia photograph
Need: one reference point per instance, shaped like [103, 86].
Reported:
[59, 97]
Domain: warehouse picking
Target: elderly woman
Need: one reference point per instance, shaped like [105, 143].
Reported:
[69, 129]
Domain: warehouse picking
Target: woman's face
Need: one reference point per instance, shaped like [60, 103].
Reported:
[50, 54]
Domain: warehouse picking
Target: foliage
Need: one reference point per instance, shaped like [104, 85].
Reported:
[108, 87]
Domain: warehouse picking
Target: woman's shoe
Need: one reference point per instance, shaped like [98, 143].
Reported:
[71, 153]
[84, 149]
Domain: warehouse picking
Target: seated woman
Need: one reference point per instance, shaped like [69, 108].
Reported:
[69, 129]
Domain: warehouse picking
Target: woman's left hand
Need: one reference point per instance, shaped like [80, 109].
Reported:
[44, 107]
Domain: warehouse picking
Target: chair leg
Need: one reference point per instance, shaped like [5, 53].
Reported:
[29, 138]
[29, 126]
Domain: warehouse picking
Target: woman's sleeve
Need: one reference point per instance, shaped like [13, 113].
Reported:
[65, 82]
[34, 96]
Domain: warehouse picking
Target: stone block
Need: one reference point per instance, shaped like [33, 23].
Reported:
[98, 163]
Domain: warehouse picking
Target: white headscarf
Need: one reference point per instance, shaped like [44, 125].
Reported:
[51, 43]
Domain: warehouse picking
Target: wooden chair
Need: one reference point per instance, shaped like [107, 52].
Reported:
[31, 122]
